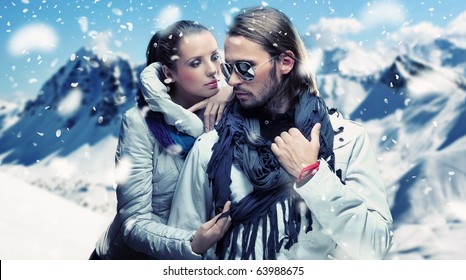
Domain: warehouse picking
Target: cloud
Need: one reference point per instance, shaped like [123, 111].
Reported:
[329, 31]
[432, 82]
[361, 62]
[422, 33]
[167, 16]
[457, 26]
[100, 44]
[382, 13]
[33, 37]
[457, 30]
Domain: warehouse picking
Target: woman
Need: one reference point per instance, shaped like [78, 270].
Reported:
[153, 143]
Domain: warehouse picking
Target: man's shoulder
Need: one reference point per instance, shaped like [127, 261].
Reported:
[346, 130]
[337, 120]
[207, 140]
[204, 143]
[202, 149]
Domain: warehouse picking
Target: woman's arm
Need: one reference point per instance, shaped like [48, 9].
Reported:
[214, 106]
[156, 95]
[141, 229]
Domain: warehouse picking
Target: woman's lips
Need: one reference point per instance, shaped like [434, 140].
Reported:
[212, 85]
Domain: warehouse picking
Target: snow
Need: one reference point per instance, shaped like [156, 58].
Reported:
[39, 225]
[57, 156]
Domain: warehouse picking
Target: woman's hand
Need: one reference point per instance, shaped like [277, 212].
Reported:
[212, 231]
[214, 106]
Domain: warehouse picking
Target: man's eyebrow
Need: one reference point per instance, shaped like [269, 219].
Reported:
[241, 60]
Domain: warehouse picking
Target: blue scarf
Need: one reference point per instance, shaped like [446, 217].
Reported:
[240, 143]
[167, 135]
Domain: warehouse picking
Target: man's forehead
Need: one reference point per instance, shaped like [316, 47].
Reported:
[234, 40]
[240, 47]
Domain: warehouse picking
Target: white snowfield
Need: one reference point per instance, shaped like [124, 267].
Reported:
[36, 224]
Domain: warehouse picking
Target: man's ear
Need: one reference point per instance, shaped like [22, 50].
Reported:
[170, 78]
[286, 62]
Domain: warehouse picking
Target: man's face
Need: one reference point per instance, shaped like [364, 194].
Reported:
[259, 91]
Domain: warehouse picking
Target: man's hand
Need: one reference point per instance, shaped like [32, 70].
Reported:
[214, 106]
[294, 152]
[212, 231]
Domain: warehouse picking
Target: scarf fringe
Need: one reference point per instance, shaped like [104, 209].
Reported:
[272, 244]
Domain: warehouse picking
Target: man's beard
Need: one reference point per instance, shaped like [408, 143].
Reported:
[271, 97]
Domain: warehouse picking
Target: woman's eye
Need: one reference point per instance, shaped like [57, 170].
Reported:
[215, 57]
[195, 63]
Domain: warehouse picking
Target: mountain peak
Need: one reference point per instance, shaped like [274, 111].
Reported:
[83, 100]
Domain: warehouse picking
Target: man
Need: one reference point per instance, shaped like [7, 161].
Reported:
[303, 184]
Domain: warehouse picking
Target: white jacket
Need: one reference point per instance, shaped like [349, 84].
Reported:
[350, 220]
[139, 228]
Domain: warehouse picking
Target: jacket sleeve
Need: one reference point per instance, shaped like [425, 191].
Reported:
[355, 214]
[156, 95]
[192, 200]
[141, 229]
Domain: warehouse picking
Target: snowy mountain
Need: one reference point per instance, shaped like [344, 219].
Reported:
[9, 114]
[413, 109]
[420, 107]
[81, 104]
[65, 139]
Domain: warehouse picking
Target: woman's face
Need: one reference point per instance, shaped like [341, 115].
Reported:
[198, 65]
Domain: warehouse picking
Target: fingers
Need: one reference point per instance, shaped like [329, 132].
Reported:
[227, 206]
[225, 214]
[220, 110]
[315, 132]
[223, 219]
[289, 137]
[198, 106]
[315, 136]
[212, 230]
[210, 115]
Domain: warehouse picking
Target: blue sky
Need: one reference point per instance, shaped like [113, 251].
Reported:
[37, 37]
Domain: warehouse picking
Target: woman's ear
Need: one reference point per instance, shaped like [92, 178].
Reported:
[286, 60]
[170, 78]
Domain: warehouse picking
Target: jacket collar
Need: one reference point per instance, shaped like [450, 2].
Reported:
[340, 127]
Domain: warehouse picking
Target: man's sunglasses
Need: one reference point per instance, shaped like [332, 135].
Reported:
[242, 68]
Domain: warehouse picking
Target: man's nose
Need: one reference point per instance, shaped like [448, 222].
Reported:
[234, 79]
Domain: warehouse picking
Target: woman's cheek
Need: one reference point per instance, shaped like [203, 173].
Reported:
[190, 79]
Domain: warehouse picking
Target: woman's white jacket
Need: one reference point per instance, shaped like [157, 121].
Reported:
[146, 176]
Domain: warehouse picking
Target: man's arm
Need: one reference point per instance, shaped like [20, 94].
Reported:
[354, 213]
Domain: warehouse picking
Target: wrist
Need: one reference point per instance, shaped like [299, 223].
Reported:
[307, 172]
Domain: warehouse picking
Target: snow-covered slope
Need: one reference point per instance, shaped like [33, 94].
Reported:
[37, 224]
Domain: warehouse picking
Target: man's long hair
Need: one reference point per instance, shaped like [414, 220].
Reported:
[274, 31]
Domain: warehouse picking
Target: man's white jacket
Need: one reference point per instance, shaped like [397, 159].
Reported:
[351, 216]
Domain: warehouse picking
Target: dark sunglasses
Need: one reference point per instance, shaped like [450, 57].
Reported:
[242, 68]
